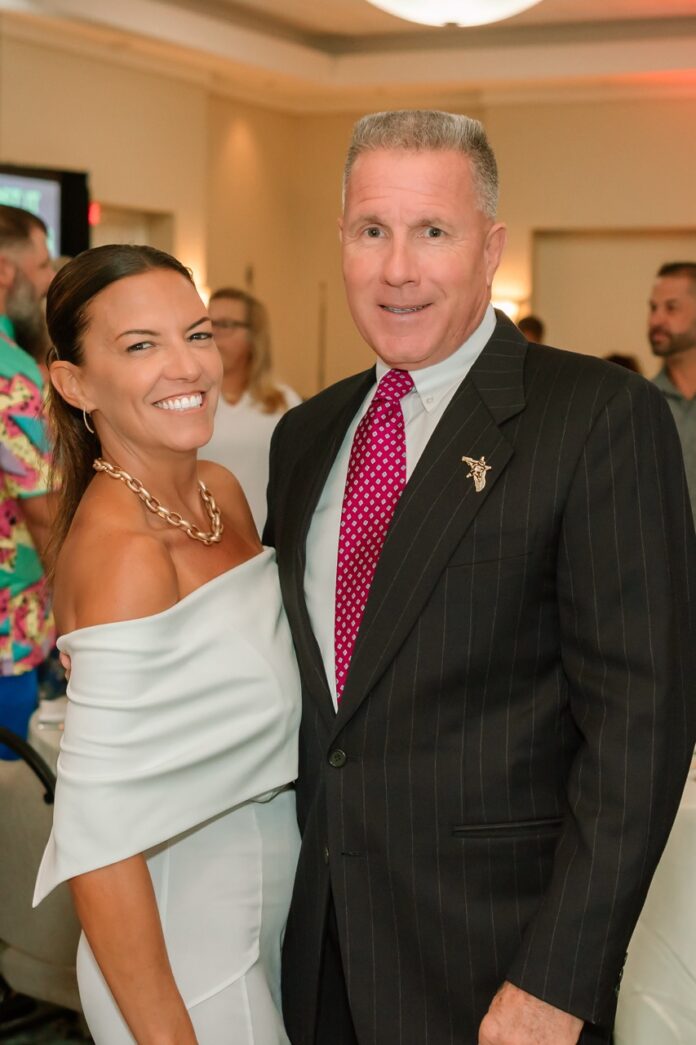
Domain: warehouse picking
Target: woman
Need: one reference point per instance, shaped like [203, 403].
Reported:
[251, 404]
[173, 821]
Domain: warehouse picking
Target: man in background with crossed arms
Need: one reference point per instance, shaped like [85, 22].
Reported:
[487, 558]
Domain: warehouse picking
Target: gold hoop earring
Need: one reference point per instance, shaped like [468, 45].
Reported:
[88, 426]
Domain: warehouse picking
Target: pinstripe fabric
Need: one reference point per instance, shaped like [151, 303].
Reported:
[517, 719]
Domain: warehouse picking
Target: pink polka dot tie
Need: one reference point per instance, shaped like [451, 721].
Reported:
[376, 478]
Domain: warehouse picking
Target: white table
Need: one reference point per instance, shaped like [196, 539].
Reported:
[657, 1001]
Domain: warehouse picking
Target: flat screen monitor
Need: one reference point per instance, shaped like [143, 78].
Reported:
[60, 198]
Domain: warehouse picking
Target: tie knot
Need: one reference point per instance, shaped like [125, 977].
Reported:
[394, 385]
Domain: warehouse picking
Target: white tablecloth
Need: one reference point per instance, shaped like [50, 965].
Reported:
[657, 1002]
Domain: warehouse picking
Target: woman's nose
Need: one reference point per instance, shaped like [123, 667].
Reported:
[183, 362]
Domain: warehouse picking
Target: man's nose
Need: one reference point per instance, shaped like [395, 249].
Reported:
[400, 263]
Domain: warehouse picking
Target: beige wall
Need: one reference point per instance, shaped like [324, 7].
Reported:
[257, 193]
[142, 137]
[273, 210]
[592, 288]
[252, 226]
[323, 144]
[593, 165]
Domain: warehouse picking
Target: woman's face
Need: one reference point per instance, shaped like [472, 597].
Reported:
[231, 332]
[151, 372]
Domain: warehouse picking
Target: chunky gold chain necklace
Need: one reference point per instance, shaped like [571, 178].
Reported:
[153, 505]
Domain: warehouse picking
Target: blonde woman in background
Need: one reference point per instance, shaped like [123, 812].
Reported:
[251, 403]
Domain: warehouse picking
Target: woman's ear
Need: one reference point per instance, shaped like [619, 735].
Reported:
[67, 381]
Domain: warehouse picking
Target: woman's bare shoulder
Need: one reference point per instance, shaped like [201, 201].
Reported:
[230, 497]
[219, 480]
[112, 574]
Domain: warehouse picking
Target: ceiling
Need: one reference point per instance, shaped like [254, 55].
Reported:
[356, 18]
[319, 55]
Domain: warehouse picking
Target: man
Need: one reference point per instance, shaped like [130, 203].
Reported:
[26, 625]
[496, 729]
[672, 333]
[26, 259]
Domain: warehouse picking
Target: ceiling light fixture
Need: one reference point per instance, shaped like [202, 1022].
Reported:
[453, 12]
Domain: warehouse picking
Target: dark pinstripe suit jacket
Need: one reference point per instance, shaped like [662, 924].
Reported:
[494, 793]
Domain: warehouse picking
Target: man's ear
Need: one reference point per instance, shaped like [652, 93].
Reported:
[340, 229]
[67, 381]
[8, 269]
[496, 239]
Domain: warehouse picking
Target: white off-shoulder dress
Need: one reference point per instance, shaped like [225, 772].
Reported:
[180, 743]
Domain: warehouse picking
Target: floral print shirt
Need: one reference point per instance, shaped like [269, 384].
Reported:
[26, 623]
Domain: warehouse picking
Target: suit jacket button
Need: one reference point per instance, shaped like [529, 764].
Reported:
[338, 758]
[325, 854]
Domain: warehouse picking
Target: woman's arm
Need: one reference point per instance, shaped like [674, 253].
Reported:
[118, 912]
[116, 903]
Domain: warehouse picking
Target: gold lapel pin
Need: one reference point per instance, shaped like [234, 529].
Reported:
[477, 472]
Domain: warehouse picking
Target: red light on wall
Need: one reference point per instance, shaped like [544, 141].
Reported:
[94, 213]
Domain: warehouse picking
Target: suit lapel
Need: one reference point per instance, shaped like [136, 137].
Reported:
[437, 506]
[307, 482]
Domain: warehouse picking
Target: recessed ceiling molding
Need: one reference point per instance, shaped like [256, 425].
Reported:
[534, 63]
[454, 12]
[285, 76]
[500, 36]
[434, 69]
[183, 28]
[23, 6]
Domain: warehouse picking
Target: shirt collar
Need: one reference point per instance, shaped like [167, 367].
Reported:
[665, 384]
[7, 327]
[432, 383]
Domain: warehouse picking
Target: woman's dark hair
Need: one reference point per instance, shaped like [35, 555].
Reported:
[67, 315]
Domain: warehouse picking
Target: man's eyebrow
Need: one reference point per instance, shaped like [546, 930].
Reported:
[373, 219]
[367, 219]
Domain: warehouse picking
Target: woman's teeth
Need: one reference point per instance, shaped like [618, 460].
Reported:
[181, 402]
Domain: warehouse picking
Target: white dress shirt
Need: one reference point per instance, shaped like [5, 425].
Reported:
[423, 407]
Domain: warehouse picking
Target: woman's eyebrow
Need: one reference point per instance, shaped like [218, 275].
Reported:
[154, 333]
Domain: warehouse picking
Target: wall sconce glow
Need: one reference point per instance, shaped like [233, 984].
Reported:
[200, 283]
[453, 12]
[510, 308]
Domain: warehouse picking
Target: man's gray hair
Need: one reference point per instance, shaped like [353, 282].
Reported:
[420, 130]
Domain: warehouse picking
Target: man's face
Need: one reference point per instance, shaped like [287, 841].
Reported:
[419, 256]
[672, 316]
[32, 264]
